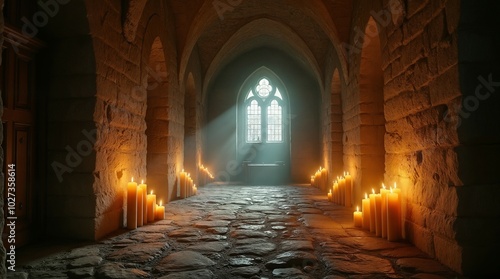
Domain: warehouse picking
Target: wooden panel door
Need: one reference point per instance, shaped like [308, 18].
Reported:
[17, 81]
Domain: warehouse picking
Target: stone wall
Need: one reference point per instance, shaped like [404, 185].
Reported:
[108, 89]
[123, 96]
[70, 129]
[418, 54]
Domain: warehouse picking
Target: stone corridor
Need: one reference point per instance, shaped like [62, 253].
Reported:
[243, 232]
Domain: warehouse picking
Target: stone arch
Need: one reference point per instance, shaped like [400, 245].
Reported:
[370, 149]
[261, 32]
[191, 159]
[155, 88]
[132, 11]
[315, 9]
[336, 130]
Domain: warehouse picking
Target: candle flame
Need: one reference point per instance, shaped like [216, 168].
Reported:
[357, 208]
[383, 185]
[132, 179]
[395, 185]
[161, 202]
[366, 195]
[151, 192]
[330, 191]
[142, 181]
[373, 191]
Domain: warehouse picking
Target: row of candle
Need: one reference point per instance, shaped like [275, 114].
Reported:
[320, 178]
[381, 213]
[187, 186]
[205, 175]
[141, 207]
[341, 191]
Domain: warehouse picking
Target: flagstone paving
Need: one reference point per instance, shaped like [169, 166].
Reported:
[243, 232]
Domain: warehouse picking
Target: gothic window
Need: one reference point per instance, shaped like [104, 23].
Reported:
[268, 126]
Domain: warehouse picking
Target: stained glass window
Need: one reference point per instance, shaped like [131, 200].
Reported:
[254, 122]
[274, 122]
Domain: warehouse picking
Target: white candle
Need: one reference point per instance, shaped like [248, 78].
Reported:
[160, 211]
[144, 188]
[151, 200]
[393, 216]
[372, 212]
[348, 190]
[365, 207]
[358, 218]
[182, 184]
[132, 205]
[140, 207]
[383, 193]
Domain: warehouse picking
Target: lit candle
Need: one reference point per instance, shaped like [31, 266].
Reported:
[151, 200]
[393, 216]
[182, 184]
[132, 205]
[372, 212]
[312, 180]
[383, 205]
[160, 211]
[144, 188]
[365, 207]
[358, 218]
[324, 179]
[348, 190]
[330, 195]
[342, 190]
[188, 184]
[378, 214]
[195, 190]
[336, 191]
[140, 216]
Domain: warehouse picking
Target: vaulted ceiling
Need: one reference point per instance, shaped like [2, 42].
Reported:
[221, 30]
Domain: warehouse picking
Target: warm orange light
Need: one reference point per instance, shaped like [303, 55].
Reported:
[357, 208]
[395, 185]
[151, 192]
[161, 202]
[366, 195]
[391, 190]
[330, 191]
[142, 181]
[132, 179]
[383, 185]
[373, 191]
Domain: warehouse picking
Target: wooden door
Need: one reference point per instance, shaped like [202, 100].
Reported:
[17, 82]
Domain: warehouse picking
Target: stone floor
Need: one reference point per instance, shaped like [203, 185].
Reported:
[243, 232]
